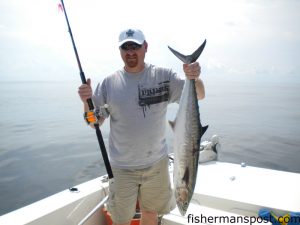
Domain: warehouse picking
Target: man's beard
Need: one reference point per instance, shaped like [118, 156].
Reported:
[131, 62]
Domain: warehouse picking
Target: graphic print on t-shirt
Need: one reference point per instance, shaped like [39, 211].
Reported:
[153, 95]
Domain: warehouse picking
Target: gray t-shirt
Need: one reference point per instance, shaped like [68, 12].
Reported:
[137, 106]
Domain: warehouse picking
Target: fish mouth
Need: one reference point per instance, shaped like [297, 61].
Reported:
[182, 206]
[182, 199]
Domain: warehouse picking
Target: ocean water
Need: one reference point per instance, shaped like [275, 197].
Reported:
[46, 147]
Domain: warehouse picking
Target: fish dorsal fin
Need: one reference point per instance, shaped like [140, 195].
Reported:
[204, 129]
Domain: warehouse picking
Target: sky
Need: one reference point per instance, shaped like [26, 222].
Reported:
[244, 37]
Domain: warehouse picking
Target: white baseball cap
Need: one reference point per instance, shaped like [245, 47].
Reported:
[133, 35]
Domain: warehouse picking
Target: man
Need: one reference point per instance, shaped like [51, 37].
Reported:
[136, 99]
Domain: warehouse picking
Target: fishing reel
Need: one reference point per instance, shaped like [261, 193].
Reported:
[90, 117]
[93, 116]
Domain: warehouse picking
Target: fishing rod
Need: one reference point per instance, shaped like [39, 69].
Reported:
[90, 116]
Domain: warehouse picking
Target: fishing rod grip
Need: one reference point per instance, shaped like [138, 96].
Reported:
[90, 103]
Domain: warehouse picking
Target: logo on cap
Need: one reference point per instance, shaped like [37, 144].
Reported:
[130, 33]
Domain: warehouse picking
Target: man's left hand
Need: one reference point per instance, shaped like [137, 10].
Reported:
[192, 71]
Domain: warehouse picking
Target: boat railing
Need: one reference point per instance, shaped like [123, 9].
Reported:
[95, 209]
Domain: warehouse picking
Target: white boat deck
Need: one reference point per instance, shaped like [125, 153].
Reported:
[224, 193]
[63, 208]
[228, 193]
[245, 190]
[204, 215]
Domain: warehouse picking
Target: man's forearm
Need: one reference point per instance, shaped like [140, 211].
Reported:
[200, 89]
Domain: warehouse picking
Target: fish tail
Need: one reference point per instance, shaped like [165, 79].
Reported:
[189, 58]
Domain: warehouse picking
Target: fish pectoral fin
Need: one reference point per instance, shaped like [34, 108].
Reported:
[186, 176]
[172, 124]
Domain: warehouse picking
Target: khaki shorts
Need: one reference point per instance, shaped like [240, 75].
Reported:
[151, 186]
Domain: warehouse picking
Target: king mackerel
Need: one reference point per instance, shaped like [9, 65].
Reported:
[187, 136]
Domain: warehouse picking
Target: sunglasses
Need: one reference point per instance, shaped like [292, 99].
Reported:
[130, 46]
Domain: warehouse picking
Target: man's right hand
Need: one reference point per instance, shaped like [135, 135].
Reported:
[85, 91]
